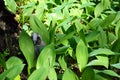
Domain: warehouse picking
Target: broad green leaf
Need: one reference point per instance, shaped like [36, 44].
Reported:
[102, 39]
[98, 9]
[108, 20]
[106, 4]
[84, 1]
[68, 20]
[12, 72]
[11, 5]
[39, 12]
[117, 29]
[87, 4]
[68, 36]
[111, 37]
[117, 17]
[17, 78]
[81, 55]
[39, 74]
[116, 45]
[12, 61]
[78, 25]
[117, 65]
[92, 36]
[66, 12]
[38, 27]
[47, 57]
[99, 77]
[100, 61]
[28, 9]
[76, 12]
[69, 75]
[94, 23]
[101, 51]
[110, 73]
[52, 74]
[61, 50]
[88, 74]
[27, 48]
[58, 12]
[62, 62]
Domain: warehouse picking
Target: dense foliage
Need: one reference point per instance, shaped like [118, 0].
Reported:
[82, 40]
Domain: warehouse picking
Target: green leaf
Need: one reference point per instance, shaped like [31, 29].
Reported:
[100, 61]
[111, 37]
[12, 61]
[106, 4]
[52, 74]
[27, 48]
[62, 62]
[69, 75]
[66, 12]
[68, 36]
[38, 27]
[78, 25]
[98, 77]
[87, 4]
[94, 23]
[39, 74]
[98, 9]
[102, 39]
[101, 51]
[117, 29]
[65, 22]
[109, 72]
[92, 36]
[116, 45]
[11, 5]
[12, 72]
[47, 57]
[108, 20]
[88, 74]
[62, 49]
[117, 65]
[82, 55]
[28, 9]
[17, 78]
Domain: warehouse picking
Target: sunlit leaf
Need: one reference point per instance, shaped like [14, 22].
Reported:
[52, 74]
[39, 74]
[101, 51]
[117, 65]
[98, 9]
[11, 5]
[62, 62]
[82, 55]
[12, 62]
[94, 23]
[100, 61]
[68, 36]
[27, 48]
[28, 9]
[69, 75]
[12, 72]
[110, 73]
[117, 29]
[47, 57]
